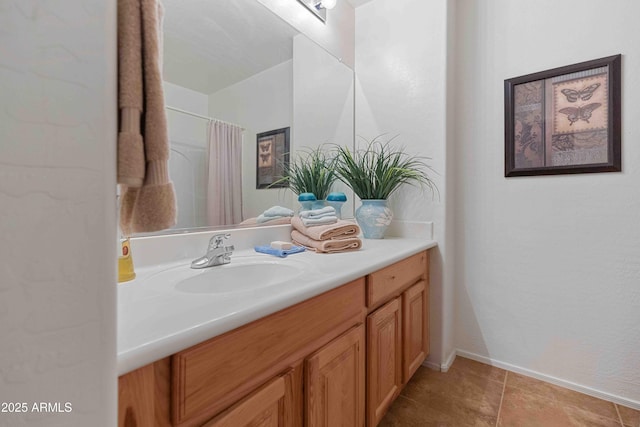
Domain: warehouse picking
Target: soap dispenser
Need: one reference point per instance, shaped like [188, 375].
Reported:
[337, 200]
[125, 261]
[306, 201]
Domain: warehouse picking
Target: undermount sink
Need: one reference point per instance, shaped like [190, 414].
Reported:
[239, 277]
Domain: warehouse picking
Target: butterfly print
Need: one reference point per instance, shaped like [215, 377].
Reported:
[579, 113]
[265, 157]
[585, 94]
[265, 147]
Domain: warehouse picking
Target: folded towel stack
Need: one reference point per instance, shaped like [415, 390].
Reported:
[341, 236]
[274, 213]
[323, 216]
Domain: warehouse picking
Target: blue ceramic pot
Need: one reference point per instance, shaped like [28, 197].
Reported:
[374, 217]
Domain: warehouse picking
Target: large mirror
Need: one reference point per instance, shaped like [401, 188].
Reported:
[233, 70]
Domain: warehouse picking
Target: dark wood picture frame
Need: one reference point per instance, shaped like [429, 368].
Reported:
[272, 158]
[564, 120]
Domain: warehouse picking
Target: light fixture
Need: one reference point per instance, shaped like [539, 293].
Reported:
[327, 4]
[319, 7]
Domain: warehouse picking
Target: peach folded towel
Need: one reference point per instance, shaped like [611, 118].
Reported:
[339, 230]
[326, 246]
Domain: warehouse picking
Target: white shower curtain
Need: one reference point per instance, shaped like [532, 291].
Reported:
[224, 178]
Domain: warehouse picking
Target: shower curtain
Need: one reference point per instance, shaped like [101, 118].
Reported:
[224, 178]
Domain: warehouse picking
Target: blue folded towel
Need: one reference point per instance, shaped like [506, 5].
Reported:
[319, 213]
[278, 211]
[262, 218]
[282, 253]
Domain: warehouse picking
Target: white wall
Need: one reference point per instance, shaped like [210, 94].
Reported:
[549, 266]
[188, 160]
[336, 35]
[401, 69]
[58, 210]
[260, 103]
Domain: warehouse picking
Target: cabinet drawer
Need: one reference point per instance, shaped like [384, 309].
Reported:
[209, 377]
[390, 281]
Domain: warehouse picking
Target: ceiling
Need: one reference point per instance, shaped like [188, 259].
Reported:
[212, 44]
[356, 3]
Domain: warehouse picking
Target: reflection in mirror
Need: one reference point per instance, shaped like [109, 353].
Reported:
[232, 70]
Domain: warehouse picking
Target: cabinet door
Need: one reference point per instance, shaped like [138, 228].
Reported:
[384, 359]
[415, 327]
[266, 407]
[335, 382]
[135, 398]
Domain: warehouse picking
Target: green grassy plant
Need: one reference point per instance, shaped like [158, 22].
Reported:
[379, 169]
[312, 171]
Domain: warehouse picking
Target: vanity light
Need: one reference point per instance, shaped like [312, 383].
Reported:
[319, 7]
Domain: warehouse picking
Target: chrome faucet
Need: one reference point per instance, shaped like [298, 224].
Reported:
[217, 253]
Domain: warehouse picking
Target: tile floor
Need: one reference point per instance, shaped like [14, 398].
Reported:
[475, 394]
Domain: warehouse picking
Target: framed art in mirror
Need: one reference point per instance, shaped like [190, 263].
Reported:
[564, 120]
[272, 159]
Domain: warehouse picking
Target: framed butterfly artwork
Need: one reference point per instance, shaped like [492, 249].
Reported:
[272, 158]
[564, 120]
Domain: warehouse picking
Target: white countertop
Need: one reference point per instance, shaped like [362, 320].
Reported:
[155, 320]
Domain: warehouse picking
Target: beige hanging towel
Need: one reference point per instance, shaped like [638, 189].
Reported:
[148, 197]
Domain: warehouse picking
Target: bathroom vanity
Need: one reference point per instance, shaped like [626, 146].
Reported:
[339, 357]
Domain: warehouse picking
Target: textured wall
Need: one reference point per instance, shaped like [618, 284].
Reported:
[549, 266]
[57, 210]
[401, 76]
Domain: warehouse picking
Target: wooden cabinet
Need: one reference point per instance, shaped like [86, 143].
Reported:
[267, 407]
[415, 327]
[143, 396]
[334, 382]
[209, 377]
[384, 359]
[397, 332]
[302, 366]
[135, 405]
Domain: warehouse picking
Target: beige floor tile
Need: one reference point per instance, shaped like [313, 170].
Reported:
[469, 394]
[562, 395]
[477, 368]
[630, 417]
[455, 398]
[436, 412]
[521, 408]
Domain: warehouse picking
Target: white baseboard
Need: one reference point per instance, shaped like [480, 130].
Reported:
[444, 367]
[447, 363]
[550, 379]
[431, 365]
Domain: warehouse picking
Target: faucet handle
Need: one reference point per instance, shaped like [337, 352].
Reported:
[216, 240]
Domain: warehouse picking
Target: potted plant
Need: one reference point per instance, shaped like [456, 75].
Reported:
[312, 171]
[374, 173]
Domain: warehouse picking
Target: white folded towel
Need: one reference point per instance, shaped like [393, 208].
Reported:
[325, 220]
[277, 211]
[319, 213]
